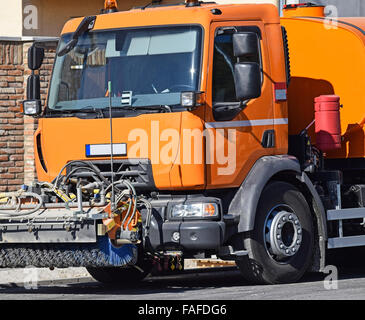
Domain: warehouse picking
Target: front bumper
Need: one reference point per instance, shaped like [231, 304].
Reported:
[193, 235]
[186, 235]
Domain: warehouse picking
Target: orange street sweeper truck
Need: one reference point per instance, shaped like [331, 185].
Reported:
[177, 131]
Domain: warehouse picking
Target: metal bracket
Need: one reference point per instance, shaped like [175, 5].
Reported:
[228, 253]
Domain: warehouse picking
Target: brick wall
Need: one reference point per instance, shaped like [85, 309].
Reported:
[11, 120]
[16, 131]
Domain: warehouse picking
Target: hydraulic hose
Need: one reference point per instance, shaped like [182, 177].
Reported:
[148, 217]
[90, 166]
[18, 195]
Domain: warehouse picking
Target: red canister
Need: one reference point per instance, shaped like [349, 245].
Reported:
[328, 122]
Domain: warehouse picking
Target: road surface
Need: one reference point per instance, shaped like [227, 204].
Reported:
[226, 285]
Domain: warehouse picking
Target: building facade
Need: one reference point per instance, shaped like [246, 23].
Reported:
[342, 8]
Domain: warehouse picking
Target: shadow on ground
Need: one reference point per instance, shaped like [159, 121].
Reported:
[350, 262]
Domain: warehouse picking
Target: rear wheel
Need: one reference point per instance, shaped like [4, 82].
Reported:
[281, 245]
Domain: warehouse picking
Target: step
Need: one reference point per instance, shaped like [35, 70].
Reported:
[346, 242]
[344, 214]
[207, 263]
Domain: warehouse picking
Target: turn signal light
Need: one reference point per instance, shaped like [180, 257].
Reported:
[210, 210]
[196, 210]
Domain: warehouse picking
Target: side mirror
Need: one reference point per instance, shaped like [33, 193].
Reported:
[35, 57]
[247, 79]
[245, 44]
[33, 87]
[32, 106]
[247, 75]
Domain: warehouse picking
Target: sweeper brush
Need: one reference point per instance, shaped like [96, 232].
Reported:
[73, 221]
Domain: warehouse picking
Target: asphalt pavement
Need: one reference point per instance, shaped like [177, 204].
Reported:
[224, 284]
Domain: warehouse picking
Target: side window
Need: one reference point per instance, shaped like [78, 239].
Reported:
[223, 64]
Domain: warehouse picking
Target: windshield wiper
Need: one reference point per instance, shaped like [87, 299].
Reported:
[153, 108]
[99, 112]
[88, 109]
[82, 110]
[60, 111]
[94, 110]
[103, 112]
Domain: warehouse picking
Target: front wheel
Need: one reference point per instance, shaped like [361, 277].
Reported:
[280, 248]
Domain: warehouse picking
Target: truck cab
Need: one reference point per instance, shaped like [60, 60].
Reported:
[160, 60]
[189, 96]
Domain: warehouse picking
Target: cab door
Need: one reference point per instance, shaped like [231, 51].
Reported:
[237, 137]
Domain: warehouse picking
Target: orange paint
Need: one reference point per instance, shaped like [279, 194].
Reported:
[328, 57]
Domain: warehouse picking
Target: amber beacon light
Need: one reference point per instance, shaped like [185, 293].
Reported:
[192, 3]
[110, 6]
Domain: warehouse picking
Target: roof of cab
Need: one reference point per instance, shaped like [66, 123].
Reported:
[176, 15]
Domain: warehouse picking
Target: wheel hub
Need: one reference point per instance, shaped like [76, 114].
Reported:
[283, 233]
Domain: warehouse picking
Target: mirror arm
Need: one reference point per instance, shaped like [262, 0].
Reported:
[85, 25]
[230, 107]
[226, 111]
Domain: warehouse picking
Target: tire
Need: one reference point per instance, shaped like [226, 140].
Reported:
[273, 260]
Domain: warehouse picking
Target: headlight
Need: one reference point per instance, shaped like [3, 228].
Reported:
[195, 210]
[192, 99]
[32, 107]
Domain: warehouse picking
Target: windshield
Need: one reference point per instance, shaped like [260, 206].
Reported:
[147, 67]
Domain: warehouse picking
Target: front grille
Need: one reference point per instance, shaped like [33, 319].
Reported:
[138, 172]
